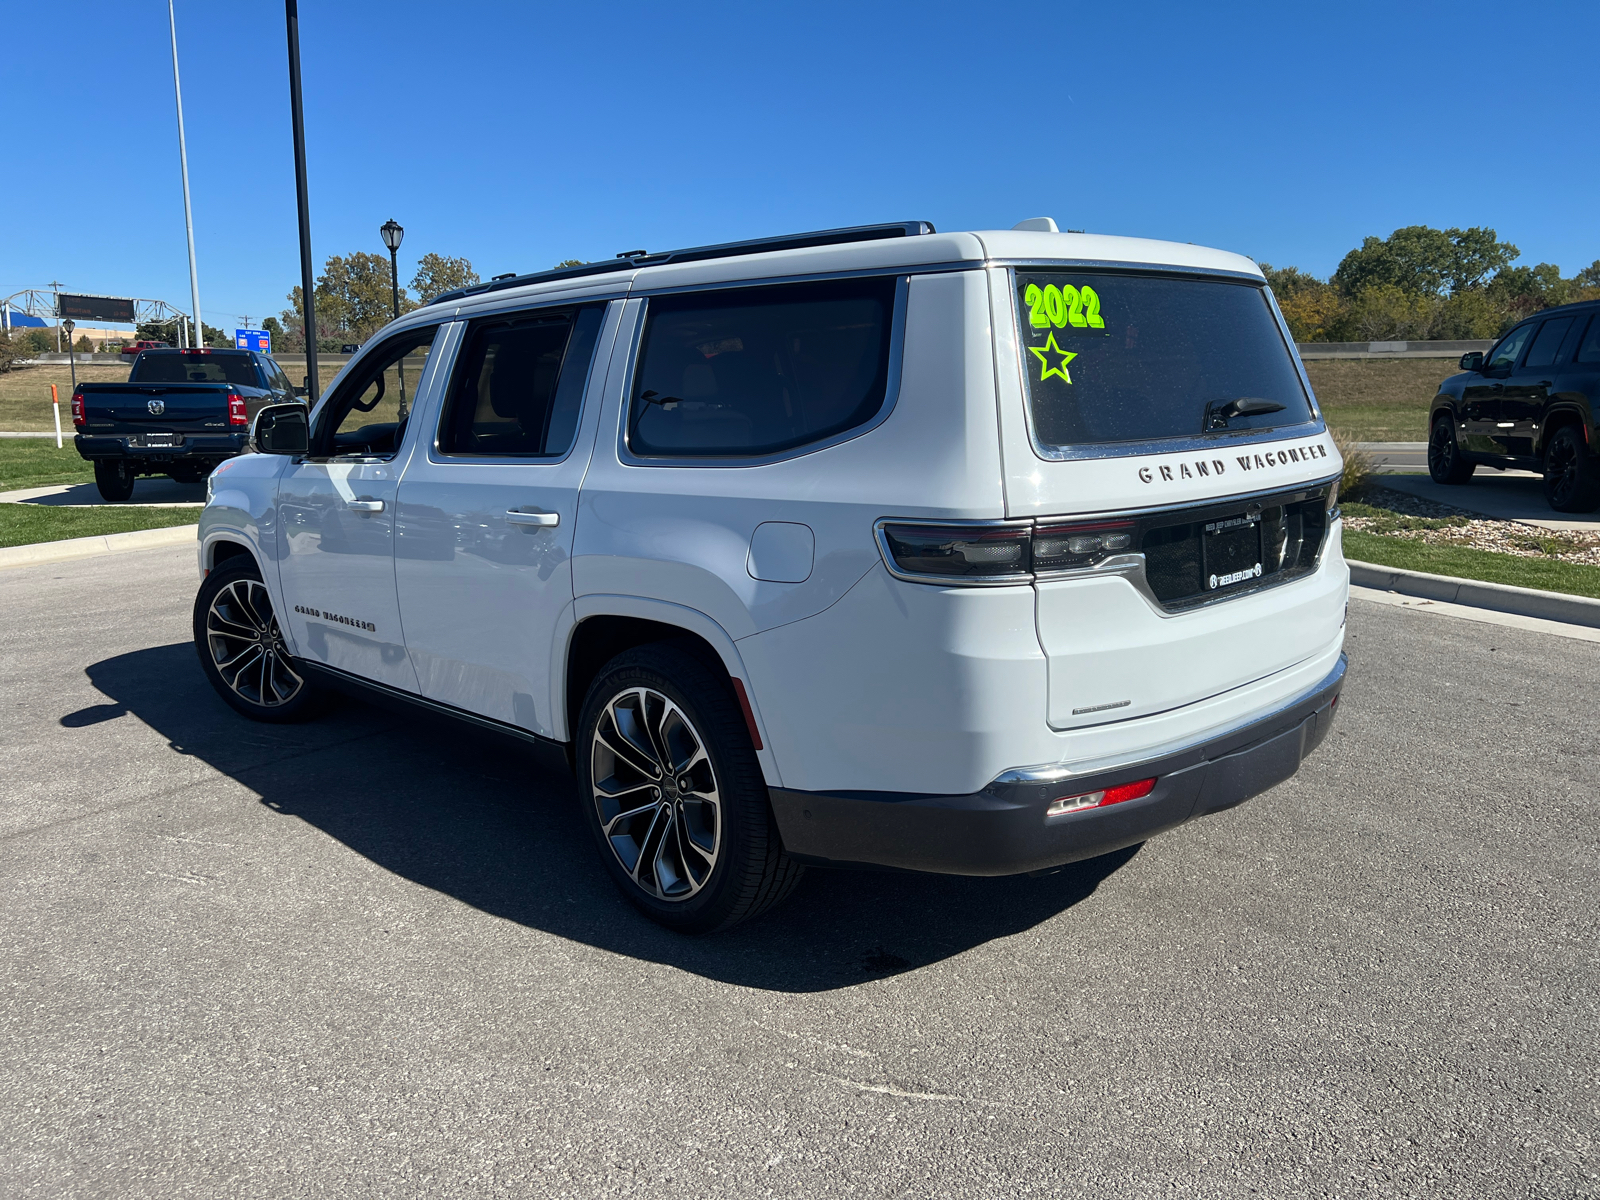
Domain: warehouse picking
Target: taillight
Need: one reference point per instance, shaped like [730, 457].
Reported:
[77, 408]
[1110, 795]
[971, 553]
[1065, 547]
[1000, 552]
[236, 413]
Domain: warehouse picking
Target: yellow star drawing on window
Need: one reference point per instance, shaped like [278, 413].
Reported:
[1063, 356]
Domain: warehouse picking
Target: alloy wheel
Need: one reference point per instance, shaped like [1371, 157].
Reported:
[247, 647]
[1561, 468]
[655, 792]
[1443, 449]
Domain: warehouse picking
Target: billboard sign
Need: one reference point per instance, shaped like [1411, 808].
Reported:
[253, 339]
[95, 308]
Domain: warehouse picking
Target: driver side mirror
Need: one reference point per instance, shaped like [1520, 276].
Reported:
[1472, 361]
[302, 391]
[281, 429]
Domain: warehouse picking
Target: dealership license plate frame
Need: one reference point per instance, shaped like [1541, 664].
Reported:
[1231, 552]
[161, 441]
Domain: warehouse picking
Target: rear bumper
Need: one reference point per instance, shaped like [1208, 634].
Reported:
[1004, 829]
[192, 446]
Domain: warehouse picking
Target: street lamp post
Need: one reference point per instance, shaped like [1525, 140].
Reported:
[392, 232]
[69, 325]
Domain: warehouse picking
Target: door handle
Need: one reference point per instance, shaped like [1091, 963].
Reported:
[365, 505]
[545, 520]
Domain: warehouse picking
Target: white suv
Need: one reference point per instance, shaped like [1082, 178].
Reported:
[976, 553]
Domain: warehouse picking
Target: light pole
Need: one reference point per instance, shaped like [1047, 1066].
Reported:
[308, 288]
[183, 162]
[69, 325]
[393, 232]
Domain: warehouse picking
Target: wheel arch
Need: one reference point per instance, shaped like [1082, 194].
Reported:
[605, 626]
[218, 550]
[1561, 418]
[1443, 403]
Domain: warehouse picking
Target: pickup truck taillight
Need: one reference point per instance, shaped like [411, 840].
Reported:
[77, 409]
[236, 413]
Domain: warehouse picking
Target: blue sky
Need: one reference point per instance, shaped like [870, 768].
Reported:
[519, 134]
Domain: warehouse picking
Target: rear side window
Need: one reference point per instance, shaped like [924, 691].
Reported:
[520, 385]
[1551, 334]
[1130, 358]
[236, 369]
[755, 371]
[1589, 349]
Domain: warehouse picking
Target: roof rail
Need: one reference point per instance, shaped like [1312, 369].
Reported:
[638, 258]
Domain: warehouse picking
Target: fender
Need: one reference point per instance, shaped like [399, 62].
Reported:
[667, 613]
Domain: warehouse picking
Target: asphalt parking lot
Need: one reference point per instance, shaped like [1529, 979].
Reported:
[377, 956]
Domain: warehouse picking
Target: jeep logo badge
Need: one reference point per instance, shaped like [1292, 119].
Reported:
[156, 407]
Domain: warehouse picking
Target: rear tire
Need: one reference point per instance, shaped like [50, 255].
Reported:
[114, 477]
[1571, 480]
[673, 793]
[1445, 461]
[241, 647]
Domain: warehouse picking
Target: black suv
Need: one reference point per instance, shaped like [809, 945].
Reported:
[1529, 404]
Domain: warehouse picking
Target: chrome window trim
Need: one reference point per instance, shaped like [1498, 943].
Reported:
[891, 396]
[1174, 445]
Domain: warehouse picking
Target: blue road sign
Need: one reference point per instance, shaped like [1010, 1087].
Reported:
[253, 339]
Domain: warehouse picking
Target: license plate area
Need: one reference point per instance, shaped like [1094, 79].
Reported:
[160, 439]
[1230, 550]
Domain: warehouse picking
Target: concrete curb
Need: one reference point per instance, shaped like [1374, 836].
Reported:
[1497, 597]
[89, 547]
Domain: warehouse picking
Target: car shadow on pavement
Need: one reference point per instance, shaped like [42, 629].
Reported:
[494, 823]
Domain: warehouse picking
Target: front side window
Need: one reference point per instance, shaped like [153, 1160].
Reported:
[1504, 356]
[1133, 358]
[746, 372]
[367, 414]
[519, 387]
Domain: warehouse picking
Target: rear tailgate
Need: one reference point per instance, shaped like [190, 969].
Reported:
[166, 407]
[1219, 564]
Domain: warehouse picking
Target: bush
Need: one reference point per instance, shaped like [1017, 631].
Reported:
[1357, 474]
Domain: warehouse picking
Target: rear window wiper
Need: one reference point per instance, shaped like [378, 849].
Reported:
[1220, 412]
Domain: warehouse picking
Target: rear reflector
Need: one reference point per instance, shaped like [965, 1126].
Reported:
[1111, 795]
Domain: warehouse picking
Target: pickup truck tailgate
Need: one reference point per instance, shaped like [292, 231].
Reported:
[178, 408]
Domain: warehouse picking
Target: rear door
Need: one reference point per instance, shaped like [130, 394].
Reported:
[487, 508]
[1161, 434]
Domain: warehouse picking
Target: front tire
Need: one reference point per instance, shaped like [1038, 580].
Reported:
[241, 647]
[114, 477]
[673, 793]
[1445, 461]
[1571, 481]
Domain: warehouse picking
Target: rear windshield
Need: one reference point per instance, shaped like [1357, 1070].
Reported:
[1131, 358]
[234, 368]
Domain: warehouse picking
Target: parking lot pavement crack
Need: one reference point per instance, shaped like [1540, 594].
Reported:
[887, 1089]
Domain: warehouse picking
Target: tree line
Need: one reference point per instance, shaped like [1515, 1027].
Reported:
[1422, 284]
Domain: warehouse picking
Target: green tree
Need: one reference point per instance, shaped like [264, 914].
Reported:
[571, 262]
[1312, 307]
[354, 300]
[83, 345]
[440, 273]
[13, 349]
[1422, 261]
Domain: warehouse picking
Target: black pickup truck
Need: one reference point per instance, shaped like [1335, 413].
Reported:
[180, 414]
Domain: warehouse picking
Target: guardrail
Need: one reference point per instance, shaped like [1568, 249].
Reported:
[1390, 349]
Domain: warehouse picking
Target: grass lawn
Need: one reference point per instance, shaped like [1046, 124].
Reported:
[35, 462]
[1461, 562]
[1376, 400]
[24, 524]
[25, 394]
